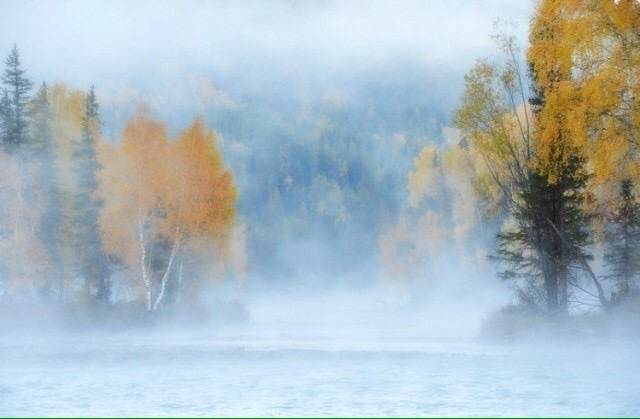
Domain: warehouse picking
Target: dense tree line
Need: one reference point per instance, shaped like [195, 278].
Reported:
[544, 155]
[148, 220]
[328, 170]
[542, 172]
[557, 142]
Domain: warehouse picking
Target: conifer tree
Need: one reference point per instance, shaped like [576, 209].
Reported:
[44, 180]
[5, 117]
[622, 255]
[92, 263]
[18, 88]
[550, 237]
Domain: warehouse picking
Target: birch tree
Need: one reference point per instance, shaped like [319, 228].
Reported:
[162, 199]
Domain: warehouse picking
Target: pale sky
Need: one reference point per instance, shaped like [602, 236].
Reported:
[157, 48]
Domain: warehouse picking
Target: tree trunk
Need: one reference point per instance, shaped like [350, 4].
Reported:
[146, 281]
[604, 302]
[165, 277]
[551, 288]
[563, 291]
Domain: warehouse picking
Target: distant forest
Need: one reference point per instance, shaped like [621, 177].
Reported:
[534, 173]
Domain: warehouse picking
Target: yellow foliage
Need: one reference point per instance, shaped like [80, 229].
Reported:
[155, 189]
[586, 58]
[452, 213]
[424, 180]
[205, 204]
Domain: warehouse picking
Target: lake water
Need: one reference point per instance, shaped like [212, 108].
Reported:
[213, 376]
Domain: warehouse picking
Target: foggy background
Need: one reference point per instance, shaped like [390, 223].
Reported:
[321, 108]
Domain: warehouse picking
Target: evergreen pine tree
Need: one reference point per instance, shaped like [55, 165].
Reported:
[92, 263]
[622, 255]
[551, 235]
[44, 181]
[5, 117]
[18, 88]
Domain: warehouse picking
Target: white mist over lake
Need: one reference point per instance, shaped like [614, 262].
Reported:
[240, 376]
[334, 353]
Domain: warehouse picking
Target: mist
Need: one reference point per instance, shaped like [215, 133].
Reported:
[306, 208]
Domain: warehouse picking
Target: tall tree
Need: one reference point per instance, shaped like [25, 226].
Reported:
[133, 182]
[18, 88]
[544, 197]
[44, 190]
[93, 265]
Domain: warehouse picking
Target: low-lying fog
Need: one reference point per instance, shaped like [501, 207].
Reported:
[382, 350]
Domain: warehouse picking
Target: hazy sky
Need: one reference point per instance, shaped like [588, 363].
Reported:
[163, 50]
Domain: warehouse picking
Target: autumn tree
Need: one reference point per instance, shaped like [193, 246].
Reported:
[449, 209]
[585, 59]
[164, 202]
[132, 185]
[601, 47]
[201, 211]
[497, 123]
[547, 232]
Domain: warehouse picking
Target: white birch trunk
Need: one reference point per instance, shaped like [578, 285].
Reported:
[146, 281]
[167, 272]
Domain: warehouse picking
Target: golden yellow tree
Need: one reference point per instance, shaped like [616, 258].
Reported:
[585, 56]
[448, 198]
[133, 182]
[157, 191]
[530, 155]
[201, 208]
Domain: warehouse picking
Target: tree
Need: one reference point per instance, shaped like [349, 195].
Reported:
[542, 180]
[44, 191]
[164, 202]
[5, 117]
[67, 108]
[449, 210]
[549, 237]
[92, 264]
[585, 59]
[602, 44]
[622, 255]
[18, 88]
[132, 185]
[201, 211]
